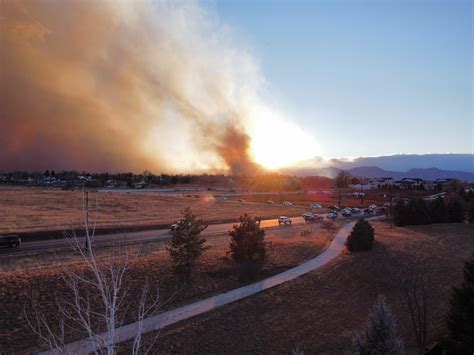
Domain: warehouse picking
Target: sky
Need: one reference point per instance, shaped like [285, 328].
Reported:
[366, 78]
[196, 86]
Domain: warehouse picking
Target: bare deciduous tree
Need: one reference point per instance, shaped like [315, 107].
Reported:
[417, 302]
[96, 304]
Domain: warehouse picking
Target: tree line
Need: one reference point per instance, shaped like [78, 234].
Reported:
[418, 211]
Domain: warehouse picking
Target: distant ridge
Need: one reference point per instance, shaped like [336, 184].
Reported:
[376, 172]
[426, 174]
[426, 166]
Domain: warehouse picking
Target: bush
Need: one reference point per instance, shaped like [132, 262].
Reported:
[461, 313]
[247, 246]
[186, 244]
[455, 211]
[471, 213]
[361, 237]
[380, 336]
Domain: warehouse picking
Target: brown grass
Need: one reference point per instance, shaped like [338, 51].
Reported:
[34, 209]
[216, 273]
[320, 312]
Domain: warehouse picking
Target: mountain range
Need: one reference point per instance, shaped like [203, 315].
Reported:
[428, 167]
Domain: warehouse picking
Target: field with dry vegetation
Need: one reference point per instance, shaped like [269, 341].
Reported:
[42, 278]
[34, 209]
[322, 311]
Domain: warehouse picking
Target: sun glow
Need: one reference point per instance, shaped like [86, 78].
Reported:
[278, 143]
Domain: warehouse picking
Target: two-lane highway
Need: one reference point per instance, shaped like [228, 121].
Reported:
[115, 238]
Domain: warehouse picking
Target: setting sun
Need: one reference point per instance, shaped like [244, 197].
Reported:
[278, 143]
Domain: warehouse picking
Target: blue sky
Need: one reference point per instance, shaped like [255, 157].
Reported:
[365, 78]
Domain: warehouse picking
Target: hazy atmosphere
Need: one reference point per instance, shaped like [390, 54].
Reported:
[236, 177]
[215, 86]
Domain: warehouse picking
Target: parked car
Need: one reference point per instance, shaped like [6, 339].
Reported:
[369, 211]
[271, 202]
[346, 212]
[284, 220]
[332, 215]
[373, 207]
[333, 208]
[287, 203]
[312, 217]
[241, 200]
[316, 205]
[10, 241]
[355, 210]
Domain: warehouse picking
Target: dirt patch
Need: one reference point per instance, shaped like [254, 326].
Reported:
[320, 312]
[216, 273]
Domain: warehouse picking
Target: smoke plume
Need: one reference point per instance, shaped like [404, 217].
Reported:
[111, 85]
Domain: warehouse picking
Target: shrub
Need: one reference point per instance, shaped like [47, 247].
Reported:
[461, 312]
[471, 213]
[186, 244]
[455, 211]
[380, 335]
[247, 246]
[361, 237]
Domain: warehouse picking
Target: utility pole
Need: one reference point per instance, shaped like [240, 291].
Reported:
[87, 246]
[391, 205]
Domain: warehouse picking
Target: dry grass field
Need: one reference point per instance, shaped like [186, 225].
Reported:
[321, 312]
[42, 280]
[34, 209]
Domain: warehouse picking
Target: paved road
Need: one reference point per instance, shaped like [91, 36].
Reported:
[173, 316]
[133, 237]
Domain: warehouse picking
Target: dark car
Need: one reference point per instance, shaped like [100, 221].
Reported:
[10, 241]
[311, 217]
[369, 211]
[333, 208]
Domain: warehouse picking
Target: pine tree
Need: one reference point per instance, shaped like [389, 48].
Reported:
[461, 313]
[456, 211]
[400, 213]
[380, 336]
[247, 245]
[361, 237]
[439, 213]
[471, 213]
[186, 244]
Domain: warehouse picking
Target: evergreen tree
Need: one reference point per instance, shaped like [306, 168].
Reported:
[380, 335]
[400, 213]
[361, 237]
[461, 313]
[439, 212]
[247, 245]
[471, 213]
[455, 211]
[186, 244]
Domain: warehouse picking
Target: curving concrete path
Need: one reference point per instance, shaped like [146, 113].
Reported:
[164, 319]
